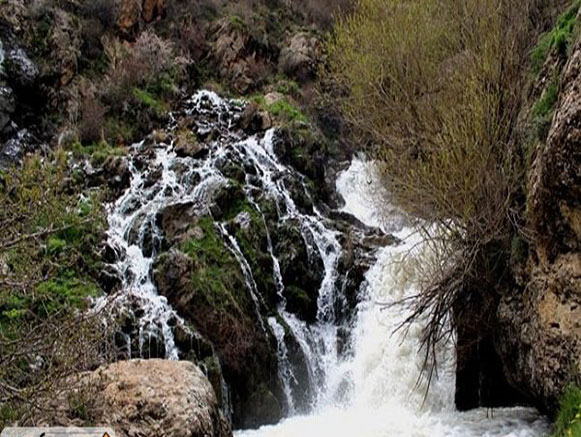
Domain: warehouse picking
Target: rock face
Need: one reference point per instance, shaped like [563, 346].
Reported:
[540, 338]
[131, 11]
[153, 398]
[300, 57]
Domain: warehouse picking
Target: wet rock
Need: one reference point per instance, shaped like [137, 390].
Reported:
[186, 146]
[306, 151]
[16, 147]
[254, 120]
[150, 398]
[214, 299]
[177, 220]
[117, 173]
[301, 269]
[266, 405]
[243, 220]
[109, 279]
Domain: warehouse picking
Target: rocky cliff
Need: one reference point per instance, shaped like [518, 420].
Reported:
[540, 322]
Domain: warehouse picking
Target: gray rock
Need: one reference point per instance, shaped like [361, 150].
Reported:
[19, 68]
[300, 57]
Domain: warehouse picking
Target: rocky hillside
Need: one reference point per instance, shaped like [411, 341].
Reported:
[109, 70]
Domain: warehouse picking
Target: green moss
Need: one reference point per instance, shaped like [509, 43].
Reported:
[288, 87]
[55, 245]
[568, 423]
[543, 109]
[558, 39]
[217, 274]
[282, 109]
[149, 100]
[289, 112]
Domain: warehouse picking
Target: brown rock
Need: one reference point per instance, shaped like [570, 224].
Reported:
[540, 324]
[186, 145]
[152, 9]
[154, 398]
[255, 120]
[129, 12]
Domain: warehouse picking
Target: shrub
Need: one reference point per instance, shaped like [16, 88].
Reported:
[92, 120]
[568, 422]
[434, 87]
[47, 266]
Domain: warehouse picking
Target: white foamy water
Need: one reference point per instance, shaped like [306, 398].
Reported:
[379, 391]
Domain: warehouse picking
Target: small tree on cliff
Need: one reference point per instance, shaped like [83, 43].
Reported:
[434, 88]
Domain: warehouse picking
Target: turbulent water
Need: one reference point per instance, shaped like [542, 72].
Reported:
[376, 389]
[382, 378]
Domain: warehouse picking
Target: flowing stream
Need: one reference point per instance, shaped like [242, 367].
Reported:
[386, 395]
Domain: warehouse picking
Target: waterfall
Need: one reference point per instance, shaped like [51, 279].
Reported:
[376, 389]
[382, 378]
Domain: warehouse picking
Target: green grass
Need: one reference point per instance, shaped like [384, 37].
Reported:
[98, 152]
[568, 422]
[542, 115]
[151, 101]
[559, 38]
[282, 109]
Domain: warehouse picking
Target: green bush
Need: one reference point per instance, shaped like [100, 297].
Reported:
[568, 422]
[433, 88]
[558, 39]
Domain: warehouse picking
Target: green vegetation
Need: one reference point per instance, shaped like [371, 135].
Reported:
[435, 87]
[287, 86]
[281, 109]
[47, 269]
[150, 101]
[558, 39]
[568, 422]
[98, 152]
[216, 273]
[238, 22]
[543, 109]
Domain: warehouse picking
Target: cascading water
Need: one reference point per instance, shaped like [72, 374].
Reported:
[382, 378]
[160, 178]
[371, 391]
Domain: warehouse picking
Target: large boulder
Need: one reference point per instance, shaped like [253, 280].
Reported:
[151, 398]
